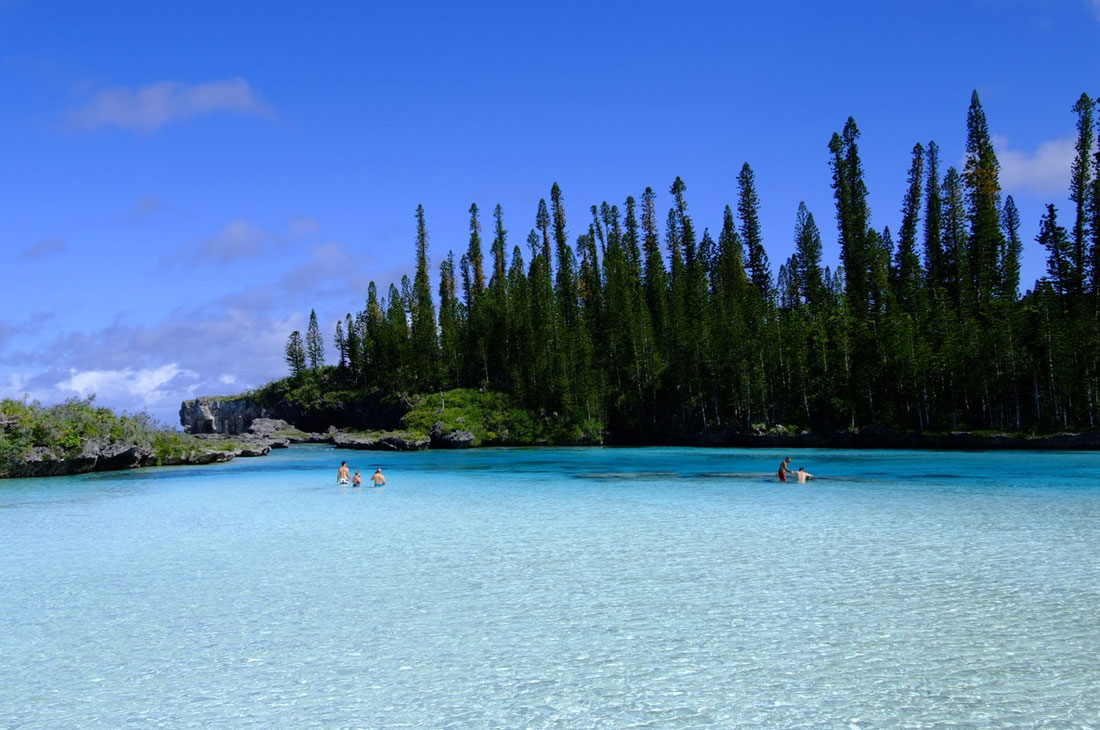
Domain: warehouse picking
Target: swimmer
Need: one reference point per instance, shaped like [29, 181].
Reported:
[803, 475]
[378, 478]
[343, 473]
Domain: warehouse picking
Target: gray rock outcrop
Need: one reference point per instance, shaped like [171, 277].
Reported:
[457, 439]
[217, 415]
[386, 441]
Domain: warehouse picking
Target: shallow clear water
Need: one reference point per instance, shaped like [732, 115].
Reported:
[557, 588]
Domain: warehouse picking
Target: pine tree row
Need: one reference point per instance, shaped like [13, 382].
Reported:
[649, 334]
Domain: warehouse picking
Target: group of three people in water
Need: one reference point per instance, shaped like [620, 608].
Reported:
[343, 476]
[802, 475]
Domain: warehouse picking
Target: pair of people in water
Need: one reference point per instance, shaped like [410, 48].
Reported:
[802, 475]
[343, 476]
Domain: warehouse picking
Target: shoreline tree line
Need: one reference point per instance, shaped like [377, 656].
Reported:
[640, 330]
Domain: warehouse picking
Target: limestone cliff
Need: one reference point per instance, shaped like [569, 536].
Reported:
[234, 415]
[228, 416]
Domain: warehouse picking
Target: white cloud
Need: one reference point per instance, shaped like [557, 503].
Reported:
[1045, 171]
[150, 107]
[216, 349]
[142, 385]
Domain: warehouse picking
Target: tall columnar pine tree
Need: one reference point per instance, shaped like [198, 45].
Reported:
[500, 242]
[477, 304]
[807, 258]
[1061, 267]
[566, 274]
[356, 349]
[857, 254]
[1094, 218]
[907, 275]
[315, 343]
[450, 324]
[1080, 191]
[542, 223]
[519, 345]
[340, 340]
[983, 197]
[688, 296]
[934, 265]
[631, 240]
[656, 274]
[1010, 260]
[748, 208]
[853, 217]
[373, 327]
[474, 257]
[295, 355]
[425, 344]
[953, 235]
[733, 345]
[496, 314]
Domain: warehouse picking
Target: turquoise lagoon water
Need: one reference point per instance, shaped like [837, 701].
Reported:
[571, 588]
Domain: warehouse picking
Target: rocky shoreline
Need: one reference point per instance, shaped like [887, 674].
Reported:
[252, 434]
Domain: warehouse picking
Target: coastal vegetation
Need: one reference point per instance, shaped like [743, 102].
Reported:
[79, 436]
[640, 333]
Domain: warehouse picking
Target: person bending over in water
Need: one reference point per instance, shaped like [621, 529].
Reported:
[377, 477]
[783, 469]
[803, 475]
[342, 474]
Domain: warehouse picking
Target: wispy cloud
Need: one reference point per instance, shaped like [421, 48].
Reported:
[46, 247]
[1044, 171]
[144, 210]
[10, 330]
[148, 108]
[238, 240]
[242, 240]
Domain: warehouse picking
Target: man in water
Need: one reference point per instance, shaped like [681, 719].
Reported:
[783, 469]
[343, 475]
[377, 477]
[803, 475]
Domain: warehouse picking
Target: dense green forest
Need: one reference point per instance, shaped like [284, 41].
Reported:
[639, 330]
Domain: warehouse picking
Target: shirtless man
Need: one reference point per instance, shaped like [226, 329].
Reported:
[783, 469]
[803, 475]
[377, 477]
[343, 474]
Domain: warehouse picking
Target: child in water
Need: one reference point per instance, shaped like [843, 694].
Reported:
[357, 481]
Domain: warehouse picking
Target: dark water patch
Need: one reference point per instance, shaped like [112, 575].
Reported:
[638, 475]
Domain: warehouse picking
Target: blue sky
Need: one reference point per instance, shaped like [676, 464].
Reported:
[181, 183]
